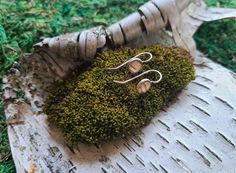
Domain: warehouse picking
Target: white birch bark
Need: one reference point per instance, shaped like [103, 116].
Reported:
[195, 134]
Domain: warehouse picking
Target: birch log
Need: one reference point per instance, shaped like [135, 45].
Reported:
[150, 18]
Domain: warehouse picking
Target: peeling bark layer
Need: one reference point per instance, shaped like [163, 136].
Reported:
[148, 20]
[151, 18]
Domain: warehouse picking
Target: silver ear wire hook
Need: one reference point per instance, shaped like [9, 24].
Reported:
[144, 85]
[135, 64]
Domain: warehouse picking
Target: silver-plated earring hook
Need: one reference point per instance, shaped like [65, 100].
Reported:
[145, 84]
[148, 71]
[135, 64]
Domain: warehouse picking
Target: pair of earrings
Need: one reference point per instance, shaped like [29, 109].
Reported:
[135, 64]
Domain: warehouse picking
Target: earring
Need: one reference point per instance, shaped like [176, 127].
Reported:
[145, 84]
[135, 64]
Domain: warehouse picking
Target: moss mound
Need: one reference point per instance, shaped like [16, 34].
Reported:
[93, 109]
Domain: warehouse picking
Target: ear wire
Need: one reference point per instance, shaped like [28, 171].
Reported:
[148, 71]
[145, 84]
[135, 64]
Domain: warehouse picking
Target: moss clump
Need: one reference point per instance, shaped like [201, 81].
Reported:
[93, 109]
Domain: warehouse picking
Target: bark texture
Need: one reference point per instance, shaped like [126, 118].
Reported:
[199, 140]
[148, 20]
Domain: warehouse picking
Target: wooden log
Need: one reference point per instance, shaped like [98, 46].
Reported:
[151, 17]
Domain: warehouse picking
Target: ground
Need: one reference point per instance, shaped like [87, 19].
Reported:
[23, 22]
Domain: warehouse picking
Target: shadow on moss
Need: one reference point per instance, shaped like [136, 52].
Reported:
[92, 108]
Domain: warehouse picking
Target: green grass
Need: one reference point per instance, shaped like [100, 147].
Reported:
[217, 39]
[22, 22]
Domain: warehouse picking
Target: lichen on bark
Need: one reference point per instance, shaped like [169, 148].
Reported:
[91, 108]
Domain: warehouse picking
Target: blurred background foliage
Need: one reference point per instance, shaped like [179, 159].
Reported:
[23, 22]
[218, 39]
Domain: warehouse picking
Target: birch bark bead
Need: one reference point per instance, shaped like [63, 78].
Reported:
[143, 86]
[135, 65]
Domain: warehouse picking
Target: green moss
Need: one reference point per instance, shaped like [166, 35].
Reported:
[92, 108]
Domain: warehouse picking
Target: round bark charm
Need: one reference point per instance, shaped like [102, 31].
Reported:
[135, 65]
[143, 86]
